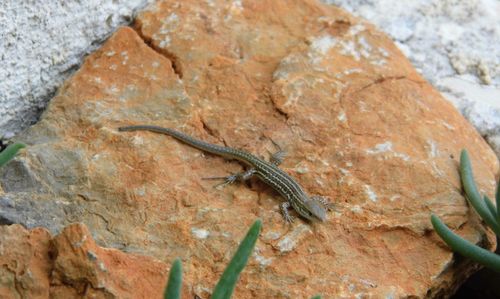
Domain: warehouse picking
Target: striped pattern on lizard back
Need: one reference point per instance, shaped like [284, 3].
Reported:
[268, 172]
[283, 183]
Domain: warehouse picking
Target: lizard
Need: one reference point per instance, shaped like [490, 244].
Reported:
[309, 207]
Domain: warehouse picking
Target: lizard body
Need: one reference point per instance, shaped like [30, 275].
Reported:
[311, 208]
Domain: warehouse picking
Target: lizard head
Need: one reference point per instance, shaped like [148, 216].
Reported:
[316, 209]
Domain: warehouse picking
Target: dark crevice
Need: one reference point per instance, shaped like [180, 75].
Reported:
[5, 221]
[3, 145]
[379, 81]
[108, 228]
[276, 108]
[384, 79]
[337, 28]
[207, 128]
[211, 131]
[174, 59]
[280, 111]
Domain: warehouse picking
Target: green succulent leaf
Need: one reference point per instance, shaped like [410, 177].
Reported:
[473, 195]
[498, 201]
[464, 247]
[173, 289]
[8, 153]
[491, 207]
[225, 287]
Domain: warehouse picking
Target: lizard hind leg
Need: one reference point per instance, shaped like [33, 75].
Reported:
[322, 200]
[277, 157]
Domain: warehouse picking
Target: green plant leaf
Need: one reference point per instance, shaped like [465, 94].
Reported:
[498, 201]
[225, 287]
[173, 289]
[473, 195]
[8, 153]
[464, 247]
[491, 207]
[316, 297]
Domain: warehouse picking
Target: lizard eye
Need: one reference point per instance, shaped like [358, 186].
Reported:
[316, 209]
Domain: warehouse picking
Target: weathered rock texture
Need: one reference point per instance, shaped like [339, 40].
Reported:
[360, 125]
[42, 43]
[436, 36]
[71, 265]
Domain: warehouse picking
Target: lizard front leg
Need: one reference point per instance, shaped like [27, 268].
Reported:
[242, 176]
[284, 210]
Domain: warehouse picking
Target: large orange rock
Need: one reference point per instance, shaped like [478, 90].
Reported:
[25, 264]
[360, 126]
[71, 265]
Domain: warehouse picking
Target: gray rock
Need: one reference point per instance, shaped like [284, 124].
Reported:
[17, 176]
[32, 210]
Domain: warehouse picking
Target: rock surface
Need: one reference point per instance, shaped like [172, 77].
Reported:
[444, 27]
[39, 56]
[436, 36]
[42, 44]
[360, 126]
[33, 264]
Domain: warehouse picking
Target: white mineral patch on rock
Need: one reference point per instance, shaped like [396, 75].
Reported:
[200, 233]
